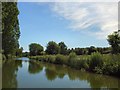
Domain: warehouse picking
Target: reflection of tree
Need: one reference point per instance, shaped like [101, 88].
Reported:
[9, 73]
[71, 74]
[54, 71]
[50, 74]
[95, 80]
[60, 71]
[61, 75]
[34, 67]
[98, 81]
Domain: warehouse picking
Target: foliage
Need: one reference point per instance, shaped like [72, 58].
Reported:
[51, 58]
[103, 64]
[114, 41]
[111, 65]
[72, 55]
[63, 48]
[19, 52]
[83, 64]
[52, 48]
[61, 59]
[72, 59]
[35, 49]
[10, 28]
[91, 50]
[25, 54]
[96, 60]
[80, 51]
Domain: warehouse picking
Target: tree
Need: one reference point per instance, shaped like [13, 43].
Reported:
[80, 51]
[114, 41]
[25, 54]
[19, 51]
[52, 48]
[91, 50]
[35, 49]
[68, 51]
[10, 28]
[63, 48]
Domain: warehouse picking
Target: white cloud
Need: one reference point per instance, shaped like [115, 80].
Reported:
[82, 15]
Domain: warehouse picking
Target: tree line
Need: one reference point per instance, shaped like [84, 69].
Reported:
[61, 48]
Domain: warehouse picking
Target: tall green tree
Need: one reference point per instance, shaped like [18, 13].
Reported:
[35, 49]
[52, 48]
[10, 28]
[114, 41]
[63, 48]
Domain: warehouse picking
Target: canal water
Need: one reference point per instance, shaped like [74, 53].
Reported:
[25, 73]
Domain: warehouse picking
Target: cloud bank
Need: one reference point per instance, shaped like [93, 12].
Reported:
[82, 15]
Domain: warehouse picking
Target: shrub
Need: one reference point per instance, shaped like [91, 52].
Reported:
[96, 60]
[98, 70]
[51, 59]
[45, 58]
[72, 55]
[40, 58]
[60, 59]
[84, 64]
[112, 66]
[72, 59]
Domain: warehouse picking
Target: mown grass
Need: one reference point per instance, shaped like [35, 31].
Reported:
[102, 64]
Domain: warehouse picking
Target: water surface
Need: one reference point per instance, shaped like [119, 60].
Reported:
[34, 74]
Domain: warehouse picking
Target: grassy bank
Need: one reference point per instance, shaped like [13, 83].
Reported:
[102, 64]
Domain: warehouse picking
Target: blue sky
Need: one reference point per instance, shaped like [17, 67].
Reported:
[77, 27]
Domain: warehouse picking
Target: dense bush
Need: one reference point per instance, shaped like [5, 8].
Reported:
[51, 58]
[72, 60]
[60, 59]
[111, 66]
[96, 60]
[83, 64]
[40, 58]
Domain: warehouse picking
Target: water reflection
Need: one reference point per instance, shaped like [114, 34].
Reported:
[34, 67]
[52, 72]
[95, 80]
[9, 73]
[23, 59]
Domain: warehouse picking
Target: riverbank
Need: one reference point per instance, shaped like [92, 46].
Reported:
[107, 64]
